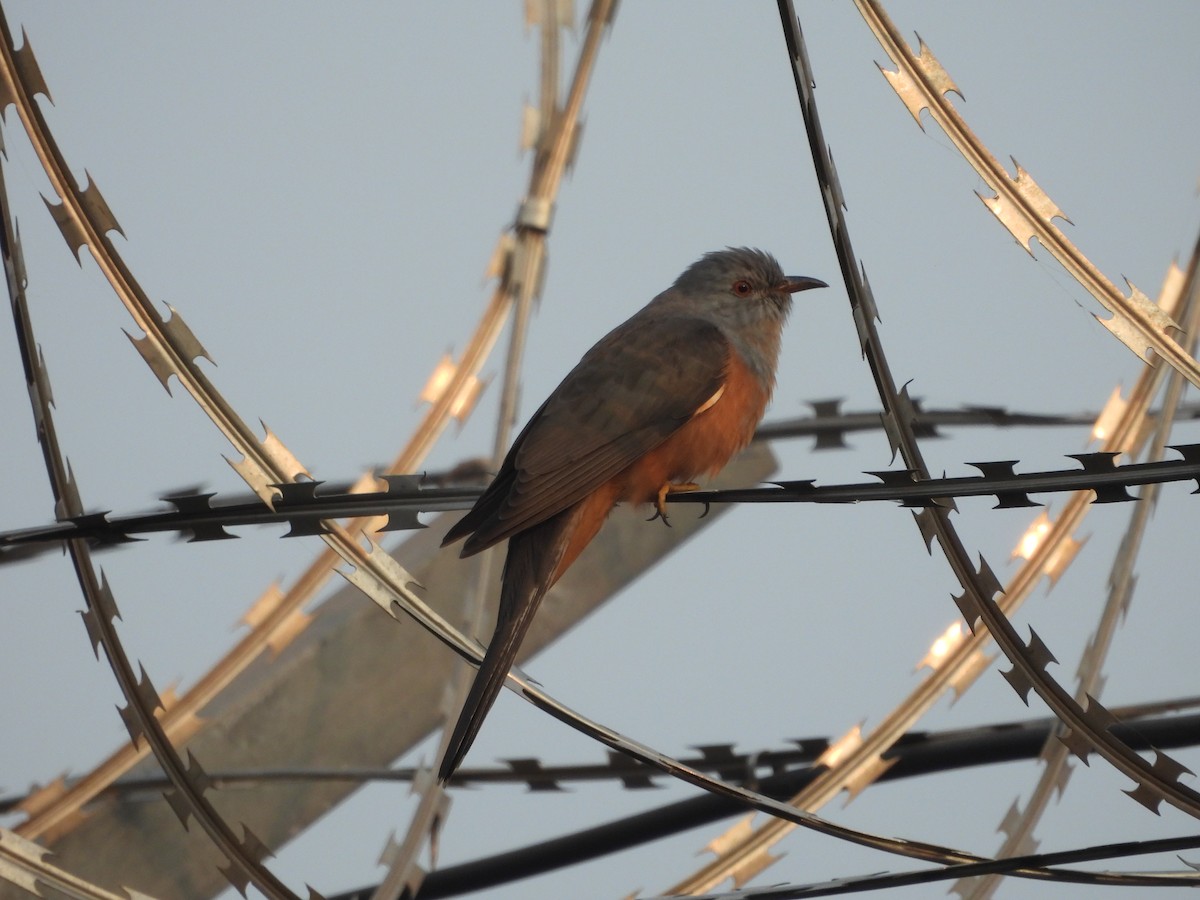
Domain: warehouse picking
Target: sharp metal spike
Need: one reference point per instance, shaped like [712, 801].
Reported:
[133, 724]
[1004, 469]
[1190, 454]
[927, 524]
[388, 855]
[238, 877]
[192, 504]
[867, 296]
[300, 494]
[97, 209]
[402, 485]
[531, 770]
[500, 263]
[1033, 194]
[987, 579]
[72, 230]
[716, 755]
[41, 380]
[1012, 819]
[254, 475]
[837, 223]
[262, 608]
[891, 428]
[731, 837]
[835, 184]
[1100, 464]
[1147, 796]
[254, 848]
[98, 618]
[93, 629]
[904, 86]
[183, 339]
[833, 439]
[970, 609]
[907, 88]
[1020, 683]
[1160, 319]
[1130, 333]
[155, 357]
[31, 73]
[639, 778]
[367, 583]
[146, 693]
[935, 72]
[1039, 656]
[1013, 218]
[1077, 744]
[807, 486]
[404, 520]
[281, 457]
[196, 775]
[906, 408]
[895, 477]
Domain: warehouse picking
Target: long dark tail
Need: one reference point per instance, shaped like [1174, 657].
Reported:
[529, 569]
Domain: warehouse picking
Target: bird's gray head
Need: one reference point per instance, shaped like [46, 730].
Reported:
[744, 293]
[743, 283]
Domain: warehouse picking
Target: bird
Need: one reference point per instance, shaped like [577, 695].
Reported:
[671, 394]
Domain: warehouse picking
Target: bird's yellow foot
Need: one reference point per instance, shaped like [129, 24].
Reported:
[661, 499]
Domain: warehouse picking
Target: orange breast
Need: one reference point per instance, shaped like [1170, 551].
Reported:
[705, 443]
[701, 447]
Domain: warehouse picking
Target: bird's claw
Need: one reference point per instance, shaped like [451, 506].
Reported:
[661, 499]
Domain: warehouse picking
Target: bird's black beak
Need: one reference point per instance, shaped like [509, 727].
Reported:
[793, 284]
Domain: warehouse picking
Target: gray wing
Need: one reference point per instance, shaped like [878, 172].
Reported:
[627, 395]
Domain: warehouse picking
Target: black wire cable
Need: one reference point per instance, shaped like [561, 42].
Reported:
[916, 755]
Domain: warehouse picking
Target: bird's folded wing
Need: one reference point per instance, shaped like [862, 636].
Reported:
[628, 394]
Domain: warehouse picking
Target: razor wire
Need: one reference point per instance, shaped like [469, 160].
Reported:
[858, 761]
[174, 333]
[1018, 823]
[1026, 211]
[170, 348]
[276, 617]
[189, 782]
[1019, 203]
[307, 511]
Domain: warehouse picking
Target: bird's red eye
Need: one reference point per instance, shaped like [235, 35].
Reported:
[742, 288]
